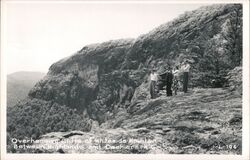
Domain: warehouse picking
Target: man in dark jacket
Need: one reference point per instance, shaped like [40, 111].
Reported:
[166, 78]
[169, 80]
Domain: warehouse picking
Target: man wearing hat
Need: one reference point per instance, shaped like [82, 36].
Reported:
[185, 69]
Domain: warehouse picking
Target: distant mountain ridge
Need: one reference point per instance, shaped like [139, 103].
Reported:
[105, 82]
[19, 84]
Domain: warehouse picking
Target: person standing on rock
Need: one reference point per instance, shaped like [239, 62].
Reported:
[169, 81]
[175, 79]
[185, 69]
[153, 82]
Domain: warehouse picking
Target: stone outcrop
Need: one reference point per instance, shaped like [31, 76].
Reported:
[102, 77]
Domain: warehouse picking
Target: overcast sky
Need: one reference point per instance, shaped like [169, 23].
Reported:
[39, 34]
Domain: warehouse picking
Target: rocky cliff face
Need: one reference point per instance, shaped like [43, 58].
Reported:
[102, 77]
[91, 80]
[102, 82]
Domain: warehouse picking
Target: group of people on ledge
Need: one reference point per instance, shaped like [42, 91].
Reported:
[170, 78]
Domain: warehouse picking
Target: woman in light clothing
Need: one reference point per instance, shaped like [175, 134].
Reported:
[153, 83]
[176, 79]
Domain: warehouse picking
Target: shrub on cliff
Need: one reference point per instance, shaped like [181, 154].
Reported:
[235, 79]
